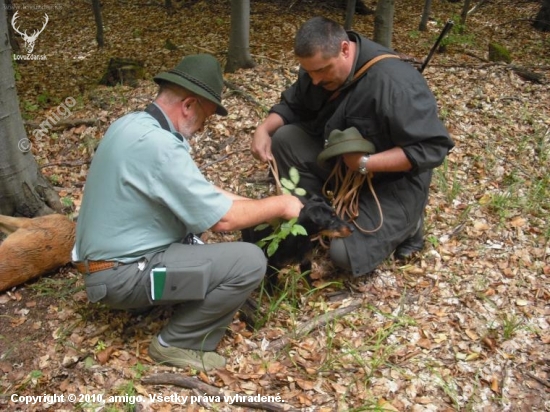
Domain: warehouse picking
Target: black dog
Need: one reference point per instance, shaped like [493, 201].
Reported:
[318, 218]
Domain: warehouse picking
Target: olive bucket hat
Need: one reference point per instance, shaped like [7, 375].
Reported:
[344, 141]
[200, 74]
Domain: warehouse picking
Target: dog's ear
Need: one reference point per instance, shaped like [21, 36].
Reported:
[316, 199]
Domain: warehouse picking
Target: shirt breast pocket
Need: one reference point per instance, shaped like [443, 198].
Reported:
[368, 127]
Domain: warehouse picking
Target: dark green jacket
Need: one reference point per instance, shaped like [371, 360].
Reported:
[391, 105]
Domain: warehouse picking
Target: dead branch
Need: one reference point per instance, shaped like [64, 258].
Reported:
[262, 56]
[315, 323]
[220, 159]
[245, 95]
[477, 6]
[194, 383]
[65, 123]
[539, 380]
[66, 164]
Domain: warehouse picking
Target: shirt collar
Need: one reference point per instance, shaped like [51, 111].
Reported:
[173, 130]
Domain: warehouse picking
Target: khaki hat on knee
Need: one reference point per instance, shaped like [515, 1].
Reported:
[344, 141]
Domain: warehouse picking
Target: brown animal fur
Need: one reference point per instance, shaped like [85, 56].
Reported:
[33, 247]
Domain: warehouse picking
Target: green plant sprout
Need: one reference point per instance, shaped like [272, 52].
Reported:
[290, 186]
[280, 232]
[283, 228]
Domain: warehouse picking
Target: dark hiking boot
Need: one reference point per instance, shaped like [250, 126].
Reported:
[412, 244]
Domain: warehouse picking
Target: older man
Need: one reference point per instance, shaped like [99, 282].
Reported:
[144, 195]
[347, 81]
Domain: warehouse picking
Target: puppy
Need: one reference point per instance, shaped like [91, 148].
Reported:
[318, 219]
[33, 247]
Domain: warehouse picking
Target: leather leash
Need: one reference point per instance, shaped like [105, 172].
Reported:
[359, 73]
[345, 196]
[347, 187]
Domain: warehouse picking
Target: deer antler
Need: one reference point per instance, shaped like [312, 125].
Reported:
[15, 28]
[43, 27]
[29, 40]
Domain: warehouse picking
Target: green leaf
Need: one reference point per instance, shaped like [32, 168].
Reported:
[272, 248]
[298, 230]
[261, 227]
[292, 221]
[286, 191]
[294, 175]
[287, 183]
[300, 192]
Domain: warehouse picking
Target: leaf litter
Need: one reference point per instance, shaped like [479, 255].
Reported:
[465, 326]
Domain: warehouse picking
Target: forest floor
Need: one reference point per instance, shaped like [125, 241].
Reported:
[465, 326]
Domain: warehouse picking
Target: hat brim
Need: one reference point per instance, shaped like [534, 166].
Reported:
[345, 146]
[186, 84]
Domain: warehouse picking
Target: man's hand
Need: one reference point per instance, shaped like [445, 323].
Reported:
[352, 160]
[261, 142]
[261, 145]
[293, 206]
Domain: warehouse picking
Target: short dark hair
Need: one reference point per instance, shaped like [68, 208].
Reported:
[319, 34]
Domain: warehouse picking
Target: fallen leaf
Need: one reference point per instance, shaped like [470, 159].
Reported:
[472, 335]
[104, 355]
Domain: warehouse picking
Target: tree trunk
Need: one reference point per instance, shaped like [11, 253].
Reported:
[542, 21]
[13, 42]
[423, 26]
[383, 22]
[96, 6]
[238, 56]
[350, 11]
[23, 189]
[464, 15]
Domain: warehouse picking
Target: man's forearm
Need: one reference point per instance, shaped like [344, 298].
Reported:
[251, 212]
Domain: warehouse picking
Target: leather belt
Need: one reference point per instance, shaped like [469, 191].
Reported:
[94, 266]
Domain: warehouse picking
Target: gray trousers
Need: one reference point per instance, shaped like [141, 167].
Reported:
[231, 271]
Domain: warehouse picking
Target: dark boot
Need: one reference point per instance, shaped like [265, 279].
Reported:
[412, 244]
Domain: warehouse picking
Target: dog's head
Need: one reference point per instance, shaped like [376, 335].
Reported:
[319, 218]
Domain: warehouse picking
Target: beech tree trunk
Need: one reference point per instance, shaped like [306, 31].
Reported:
[542, 20]
[464, 15]
[350, 11]
[238, 56]
[15, 47]
[423, 26]
[23, 189]
[383, 22]
[96, 6]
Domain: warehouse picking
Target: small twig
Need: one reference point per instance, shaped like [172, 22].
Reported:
[205, 49]
[194, 383]
[539, 380]
[67, 164]
[477, 6]
[315, 323]
[261, 56]
[219, 159]
[275, 172]
[245, 95]
[66, 123]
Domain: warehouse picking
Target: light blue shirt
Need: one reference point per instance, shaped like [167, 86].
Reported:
[143, 192]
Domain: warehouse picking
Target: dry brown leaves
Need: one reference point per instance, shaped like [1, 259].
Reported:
[463, 327]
